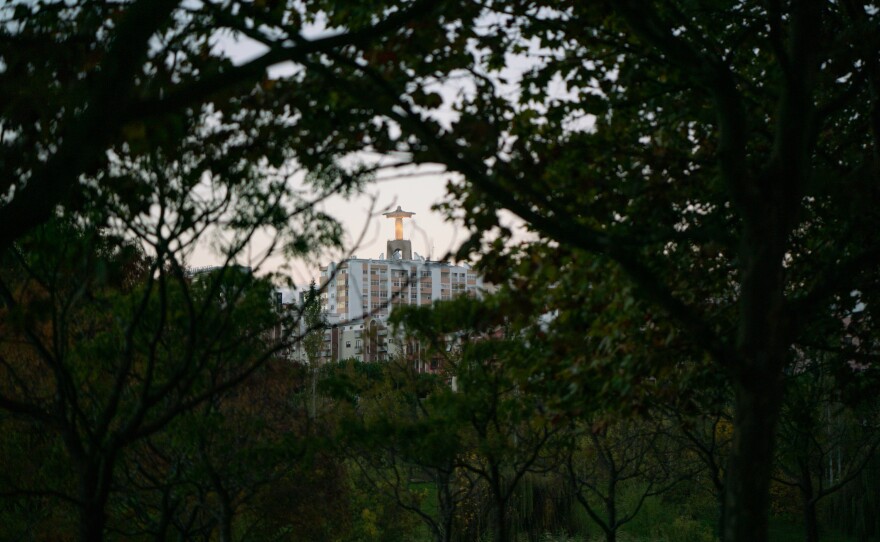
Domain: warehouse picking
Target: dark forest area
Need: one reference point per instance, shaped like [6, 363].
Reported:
[681, 347]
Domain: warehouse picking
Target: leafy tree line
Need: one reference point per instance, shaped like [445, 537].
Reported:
[716, 176]
[119, 368]
[701, 179]
[494, 447]
[388, 453]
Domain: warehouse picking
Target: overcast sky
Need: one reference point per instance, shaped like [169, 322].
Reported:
[367, 231]
[360, 217]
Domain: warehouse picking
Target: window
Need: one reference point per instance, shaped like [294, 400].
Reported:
[348, 344]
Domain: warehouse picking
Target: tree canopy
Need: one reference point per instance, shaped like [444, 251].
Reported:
[707, 172]
[723, 157]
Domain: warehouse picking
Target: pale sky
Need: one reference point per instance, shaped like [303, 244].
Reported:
[366, 230]
[431, 235]
[361, 218]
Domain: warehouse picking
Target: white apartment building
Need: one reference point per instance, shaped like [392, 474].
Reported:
[361, 288]
[359, 294]
[370, 288]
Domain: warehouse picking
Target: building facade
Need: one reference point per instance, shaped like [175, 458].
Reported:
[363, 288]
[358, 295]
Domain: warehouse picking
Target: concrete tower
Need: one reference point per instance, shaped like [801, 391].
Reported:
[399, 248]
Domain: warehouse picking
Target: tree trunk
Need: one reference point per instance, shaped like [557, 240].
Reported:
[611, 508]
[762, 345]
[94, 492]
[91, 522]
[811, 522]
[226, 515]
[500, 496]
[313, 392]
[747, 481]
[501, 527]
[446, 507]
[808, 503]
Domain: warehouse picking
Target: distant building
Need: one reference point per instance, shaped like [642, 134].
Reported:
[360, 288]
[361, 293]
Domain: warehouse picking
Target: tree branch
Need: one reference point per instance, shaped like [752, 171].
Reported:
[712, 74]
[831, 281]
[83, 143]
[457, 157]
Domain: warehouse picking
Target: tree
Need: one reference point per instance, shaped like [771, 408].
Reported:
[127, 141]
[723, 157]
[102, 351]
[606, 461]
[88, 82]
[224, 470]
[825, 443]
[122, 338]
[504, 432]
[405, 437]
[313, 341]
[707, 436]
[100, 299]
